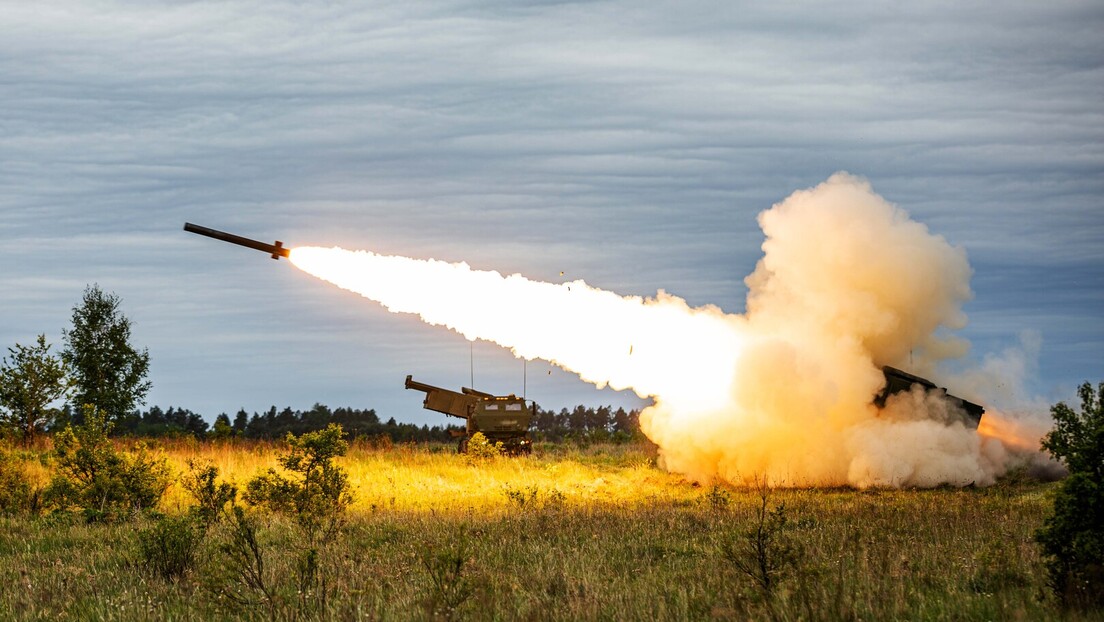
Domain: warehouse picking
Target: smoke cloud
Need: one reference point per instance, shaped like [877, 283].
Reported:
[847, 283]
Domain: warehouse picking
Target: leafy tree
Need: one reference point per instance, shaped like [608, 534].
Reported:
[28, 384]
[108, 372]
[1072, 539]
[1078, 438]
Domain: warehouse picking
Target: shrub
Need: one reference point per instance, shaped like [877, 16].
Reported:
[522, 496]
[243, 560]
[211, 496]
[316, 496]
[318, 492]
[718, 498]
[764, 552]
[532, 497]
[17, 494]
[170, 546]
[103, 482]
[479, 449]
[1071, 538]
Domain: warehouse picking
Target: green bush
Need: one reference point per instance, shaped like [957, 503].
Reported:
[1072, 539]
[212, 497]
[93, 476]
[317, 493]
[17, 494]
[169, 547]
[316, 496]
[479, 448]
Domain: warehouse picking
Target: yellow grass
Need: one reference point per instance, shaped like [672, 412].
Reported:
[565, 534]
[434, 478]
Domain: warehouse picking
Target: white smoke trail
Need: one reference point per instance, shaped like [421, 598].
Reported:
[847, 283]
[624, 342]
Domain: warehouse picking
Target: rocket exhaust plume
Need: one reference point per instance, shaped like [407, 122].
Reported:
[847, 283]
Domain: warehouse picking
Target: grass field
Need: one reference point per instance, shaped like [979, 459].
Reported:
[566, 534]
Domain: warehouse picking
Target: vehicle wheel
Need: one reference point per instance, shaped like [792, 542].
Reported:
[462, 446]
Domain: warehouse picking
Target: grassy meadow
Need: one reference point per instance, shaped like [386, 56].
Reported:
[568, 533]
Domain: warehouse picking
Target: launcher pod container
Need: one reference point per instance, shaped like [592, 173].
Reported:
[898, 381]
[501, 418]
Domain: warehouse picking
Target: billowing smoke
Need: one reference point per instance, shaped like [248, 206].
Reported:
[847, 283]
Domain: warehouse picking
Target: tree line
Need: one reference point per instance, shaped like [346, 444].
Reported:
[99, 366]
[580, 423]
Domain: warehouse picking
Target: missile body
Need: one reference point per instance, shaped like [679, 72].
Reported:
[277, 250]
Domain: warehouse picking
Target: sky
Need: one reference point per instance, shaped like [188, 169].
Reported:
[631, 145]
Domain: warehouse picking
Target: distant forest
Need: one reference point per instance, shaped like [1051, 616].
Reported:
[582, 423]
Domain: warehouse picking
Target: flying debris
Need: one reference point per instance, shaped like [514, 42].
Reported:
[277, 250]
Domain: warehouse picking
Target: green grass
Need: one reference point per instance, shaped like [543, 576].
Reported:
[567, 534]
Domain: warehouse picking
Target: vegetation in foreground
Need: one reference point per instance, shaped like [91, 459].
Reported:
[1072, 538]
[569, 533]
[95, 527]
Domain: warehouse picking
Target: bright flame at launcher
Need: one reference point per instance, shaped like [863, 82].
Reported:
[847, 283]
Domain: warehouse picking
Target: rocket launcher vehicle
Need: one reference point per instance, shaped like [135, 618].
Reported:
[501, 419]
[900, 381]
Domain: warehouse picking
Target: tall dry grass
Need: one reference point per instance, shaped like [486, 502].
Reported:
[569, 533]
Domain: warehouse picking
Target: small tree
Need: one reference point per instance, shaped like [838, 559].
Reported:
[318, 493]
[108, 372]
[316, 496]
[1072, 539]
[212, 496]
[28, 384]
[765, 551]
